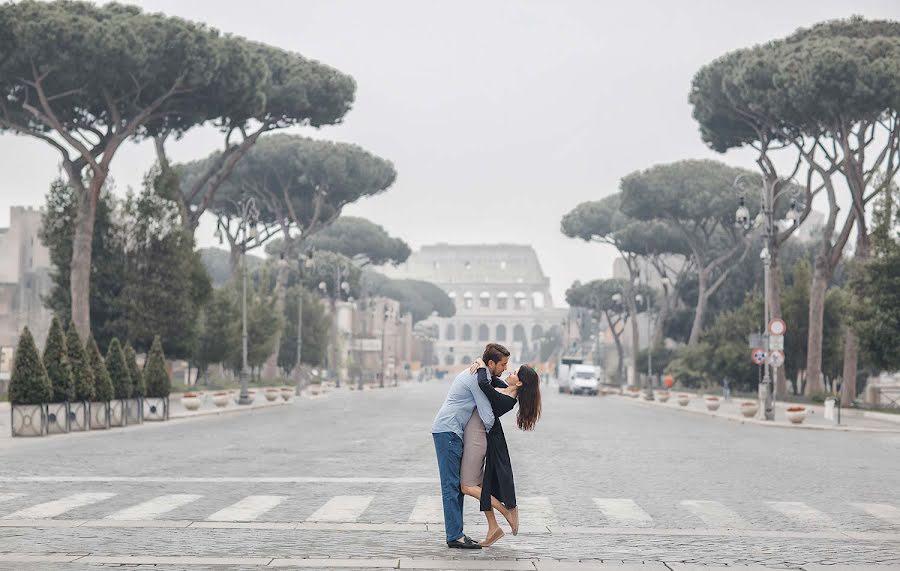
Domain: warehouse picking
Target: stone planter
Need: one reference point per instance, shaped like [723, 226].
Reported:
[57, 417]
[796, 414]
[272, 394]
[191, 401]
[604, 391]
[662, 396]
[648, 396]
[156, 408]
[134, 411]
[99, 415]
[28, 419]
[79, 416]
[251, 394]
[287, 393]
[220, 399]
[712, 403]
[749, 408]
[117, 413]
[683, 399]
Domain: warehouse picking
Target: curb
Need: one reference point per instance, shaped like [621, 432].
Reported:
[775, 424]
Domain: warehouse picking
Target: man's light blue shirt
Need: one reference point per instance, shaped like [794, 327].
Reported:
[462, 398]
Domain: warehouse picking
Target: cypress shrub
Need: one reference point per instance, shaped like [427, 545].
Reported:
[156, 378]
[103, 387]
[137, 377]
[29, 383]
[118, 370]
[56, 362]
[82, 374]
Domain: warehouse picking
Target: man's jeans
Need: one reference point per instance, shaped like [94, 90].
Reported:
[449, 449]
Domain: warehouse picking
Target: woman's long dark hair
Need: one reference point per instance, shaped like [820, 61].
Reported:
[529, 397]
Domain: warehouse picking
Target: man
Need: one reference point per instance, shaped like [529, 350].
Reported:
[447, 432]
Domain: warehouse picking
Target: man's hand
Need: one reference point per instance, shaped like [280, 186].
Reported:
[479, 363]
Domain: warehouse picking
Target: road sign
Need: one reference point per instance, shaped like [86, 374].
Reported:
[756, 340]
[758, 356]
[777, 327]
[776, 342]
[775, 358]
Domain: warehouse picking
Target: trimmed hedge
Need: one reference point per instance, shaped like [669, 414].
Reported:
[156, 377]
[29, 383]
[56, 362]
[82, 374]
[103, 387]
[118, 370]
[137, 377]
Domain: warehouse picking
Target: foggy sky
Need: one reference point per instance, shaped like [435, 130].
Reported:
[500, 117]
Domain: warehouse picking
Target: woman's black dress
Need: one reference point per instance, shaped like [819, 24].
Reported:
[498, 473]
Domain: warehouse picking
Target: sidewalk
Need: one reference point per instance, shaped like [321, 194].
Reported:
[852, 420]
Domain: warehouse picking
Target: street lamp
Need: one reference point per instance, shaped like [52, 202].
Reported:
[249, 220]
[341, 286]
[765, 220]
[388, 313]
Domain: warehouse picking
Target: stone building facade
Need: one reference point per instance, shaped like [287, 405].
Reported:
[501, 294]
[24, 280]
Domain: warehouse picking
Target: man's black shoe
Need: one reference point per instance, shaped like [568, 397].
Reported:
[465, 542]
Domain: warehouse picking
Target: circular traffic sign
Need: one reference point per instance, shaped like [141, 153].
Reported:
[777, 327]
[776, 359]
[758, 356]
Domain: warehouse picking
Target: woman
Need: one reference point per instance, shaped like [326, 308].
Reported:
[486, 472]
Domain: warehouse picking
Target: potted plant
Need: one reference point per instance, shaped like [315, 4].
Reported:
[749, 408]
[683, 399]
[633, 392]
[190, 401]
[287, 393]
[121, 382]
[712, 402]
[29, 389]
[56, 362]
[662, 395]
[83, 376]
[272, 394]
[220, 399]
[157, 382]
[796, 413]
[103, 388]
[134, 408]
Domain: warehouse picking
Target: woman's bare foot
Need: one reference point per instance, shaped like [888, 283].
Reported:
[512, 517]
[492, 537]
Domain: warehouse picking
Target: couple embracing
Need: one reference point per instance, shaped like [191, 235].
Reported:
[472, 455]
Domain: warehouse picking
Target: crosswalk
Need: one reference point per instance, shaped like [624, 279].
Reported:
[535, 511]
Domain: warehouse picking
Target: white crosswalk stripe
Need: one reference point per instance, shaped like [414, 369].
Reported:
[886, 512]
[9, 497]
[715, 514]
[247, 509]
[58, 507]
[429, 509]
[536, 511]
[802, 513]
[622, 511]
[154, 508]
[342, 508]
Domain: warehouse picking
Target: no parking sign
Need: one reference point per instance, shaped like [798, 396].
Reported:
[758, 356]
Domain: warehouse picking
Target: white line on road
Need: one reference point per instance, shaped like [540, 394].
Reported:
[715, 514]
[536, 510]
[802, 513]
[342, 508]
[9, 497]
[247, 509]
[60, 506]
[154, 508]
[888, 513]
[219, 480]
[429, 509]
[622, 511]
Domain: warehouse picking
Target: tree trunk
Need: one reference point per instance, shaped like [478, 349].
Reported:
[661, 317]
[697, 327]
[235, 260]
[851, 346]
[635, 336]
[80, 271]
[774, 293]
[817, 291]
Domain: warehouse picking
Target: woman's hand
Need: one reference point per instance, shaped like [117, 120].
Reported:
[479, 363]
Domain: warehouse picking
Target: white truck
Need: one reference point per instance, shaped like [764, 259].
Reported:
[584, 379]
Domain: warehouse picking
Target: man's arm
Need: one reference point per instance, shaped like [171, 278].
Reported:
[481, 402]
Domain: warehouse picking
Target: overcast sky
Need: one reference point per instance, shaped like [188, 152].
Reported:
[499, 116]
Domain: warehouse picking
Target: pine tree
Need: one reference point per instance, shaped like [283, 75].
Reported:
[56, 362]
[103, 387]
[29, 383]
[82, 374]
[137, 377]
[118, 370]
[156, 377]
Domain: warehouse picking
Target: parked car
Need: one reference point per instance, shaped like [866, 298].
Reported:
[583, 379]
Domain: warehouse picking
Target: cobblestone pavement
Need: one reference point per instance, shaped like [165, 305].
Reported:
[353, 475]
